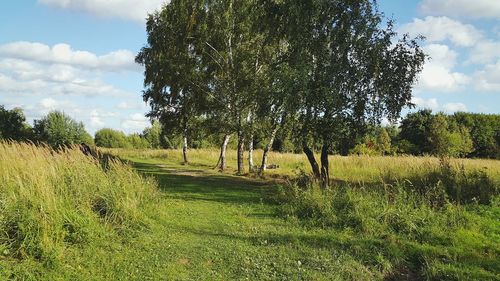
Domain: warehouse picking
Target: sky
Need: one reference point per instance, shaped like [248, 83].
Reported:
[78, 56]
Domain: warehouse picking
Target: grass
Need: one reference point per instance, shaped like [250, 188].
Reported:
[198, 224]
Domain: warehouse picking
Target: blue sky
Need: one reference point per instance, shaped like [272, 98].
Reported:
[78, 56]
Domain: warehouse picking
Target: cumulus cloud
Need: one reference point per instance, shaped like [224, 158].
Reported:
[485, 52]
[119, 60]
[454, 107]
[438, 74]
[462, 8]
[135, 10]
[40, 78]
[427, 104]
[438, 29]
[488, 79]
[131, 105]
[434, 105]
[136, 121]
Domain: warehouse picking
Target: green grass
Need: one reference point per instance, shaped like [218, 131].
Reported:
[204, 225]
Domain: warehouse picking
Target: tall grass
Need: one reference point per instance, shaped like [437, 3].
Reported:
[361, 169]
[439, 224]
[51, 200]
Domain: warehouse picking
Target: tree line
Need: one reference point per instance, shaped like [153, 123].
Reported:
[461, 134]
[57, 130]
[325, 69]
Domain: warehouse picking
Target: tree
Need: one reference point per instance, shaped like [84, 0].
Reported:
[383, 141]
[347, 71]
[137, 141]
[58, 130]
[172, 66]
[449, 140]
[154, 135]
[13, 125]
[111, 139]
[415, 130]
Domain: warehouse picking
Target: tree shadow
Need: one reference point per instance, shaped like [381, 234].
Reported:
[200, 185]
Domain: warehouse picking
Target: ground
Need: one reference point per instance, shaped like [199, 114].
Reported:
[210, 226]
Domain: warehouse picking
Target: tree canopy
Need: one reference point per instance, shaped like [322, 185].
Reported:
[328, 67]
[58, 129]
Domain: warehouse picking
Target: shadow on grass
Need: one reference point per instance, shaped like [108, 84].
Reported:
[192, 184]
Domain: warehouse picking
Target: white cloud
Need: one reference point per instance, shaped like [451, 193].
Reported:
[484, 52]
[463, 8]
[39, 79]
[131, 105]
[135, 10]
[136, 121]
[438, 29]
[438, 74]
[454, 107]
[488, 79]
[119, 60]
[434, 105]
[423, 103]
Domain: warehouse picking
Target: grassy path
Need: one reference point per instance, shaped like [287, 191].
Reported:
[204, 225]
[209, 226]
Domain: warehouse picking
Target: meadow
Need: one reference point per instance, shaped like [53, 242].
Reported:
[66, 216]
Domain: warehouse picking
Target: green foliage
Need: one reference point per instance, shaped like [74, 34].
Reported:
[13, 125]
[446, 140]
[154, 135]
[111, 138]
[137, 141]
[383, 142]
[415, 130]
[484, 131]
[58, 129]
[449, 183]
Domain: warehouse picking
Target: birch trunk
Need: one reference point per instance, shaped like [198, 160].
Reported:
[268, 147]
[250, 154]
[241, 148]
[185, 147]
[312, 160]
[221, 164]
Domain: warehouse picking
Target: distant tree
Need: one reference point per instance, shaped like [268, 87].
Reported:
[13, 125]
[154, 135]
[415, 131]
[137, 141]
[383, 141]
[484, 131]
[58, 129]
[449, 140]
[111, 139]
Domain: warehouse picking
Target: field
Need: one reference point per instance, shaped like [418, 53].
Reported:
[65, 216]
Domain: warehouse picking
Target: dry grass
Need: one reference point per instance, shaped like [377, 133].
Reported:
[345, 168]
[50, 199]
